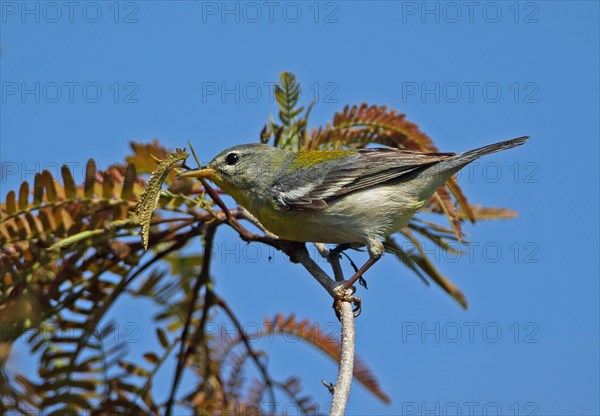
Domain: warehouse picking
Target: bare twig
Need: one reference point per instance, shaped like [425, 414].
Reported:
[341, 391]
[215, 197]
[300, 255]
[261, 367]
[322, 249]
[334, 259]
[200, 281]
[296, 251]
[248, 216]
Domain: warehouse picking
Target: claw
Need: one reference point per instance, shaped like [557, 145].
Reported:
[357, 306]
[355, 300]
[362, 282]
[329, 386]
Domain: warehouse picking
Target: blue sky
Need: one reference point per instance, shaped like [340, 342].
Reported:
[84, 80]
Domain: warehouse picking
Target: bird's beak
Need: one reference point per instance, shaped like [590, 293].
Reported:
[202, 173]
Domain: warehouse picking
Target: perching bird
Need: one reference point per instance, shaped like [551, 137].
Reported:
[335, 196]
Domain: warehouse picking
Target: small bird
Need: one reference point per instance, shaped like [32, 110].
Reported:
[335, 196]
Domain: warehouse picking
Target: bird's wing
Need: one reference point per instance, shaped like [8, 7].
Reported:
[310, 188]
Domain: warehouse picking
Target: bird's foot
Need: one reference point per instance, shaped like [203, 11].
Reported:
[347, 295]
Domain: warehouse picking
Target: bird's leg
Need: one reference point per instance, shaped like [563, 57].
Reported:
[346, 291]
[372, 260]
[376, 249]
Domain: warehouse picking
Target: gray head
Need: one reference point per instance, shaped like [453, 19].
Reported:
[245, 172]
[245, 166]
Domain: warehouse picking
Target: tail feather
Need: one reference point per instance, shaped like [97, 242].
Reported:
[437, 174]
[455, 163]
[491, 148]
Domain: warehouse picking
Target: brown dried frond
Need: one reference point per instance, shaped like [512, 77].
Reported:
[358, 126]
[444, 201]
[312, 333]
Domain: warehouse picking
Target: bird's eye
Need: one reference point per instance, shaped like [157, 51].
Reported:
[232, 158]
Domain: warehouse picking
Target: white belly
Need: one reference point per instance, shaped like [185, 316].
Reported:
[355, 218]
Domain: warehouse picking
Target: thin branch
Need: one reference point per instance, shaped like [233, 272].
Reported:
[322, 249]
[265, 374]
[200, 281]
[231, 219]
[148, 384]
[200, 334]
[299, 254]
[215, 197]
[333, 258]
[296, 251]
[341, 391]
[100, 311]
[248, 216]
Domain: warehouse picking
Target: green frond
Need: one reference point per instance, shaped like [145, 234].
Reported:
[291, 133]
[149, 199]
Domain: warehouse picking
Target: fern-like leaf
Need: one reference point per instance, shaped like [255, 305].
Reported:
[488, 213]
[149, 199]
[358, 126]
[292, 131]
[442, 196]
[423, 262]
[314, 335]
